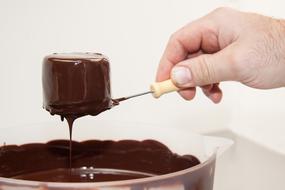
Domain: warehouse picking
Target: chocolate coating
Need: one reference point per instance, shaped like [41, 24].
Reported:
[49, 162]
[76, 84]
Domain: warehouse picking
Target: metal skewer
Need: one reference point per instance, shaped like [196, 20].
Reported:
[156, 89]
[132, 96]
[140, 94]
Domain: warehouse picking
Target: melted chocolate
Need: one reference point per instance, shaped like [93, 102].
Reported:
[75, 85]
[92, 161]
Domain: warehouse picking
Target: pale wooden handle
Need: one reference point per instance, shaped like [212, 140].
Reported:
[160, 88]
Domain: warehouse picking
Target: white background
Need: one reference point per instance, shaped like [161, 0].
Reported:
[133, 35]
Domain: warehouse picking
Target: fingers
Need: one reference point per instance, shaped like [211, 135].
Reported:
[200, 54]
[194, 37]
[204, 70]
[213, 92]
[188, 94]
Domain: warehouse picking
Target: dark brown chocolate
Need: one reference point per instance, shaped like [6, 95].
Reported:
[49, 162]
[76, 84]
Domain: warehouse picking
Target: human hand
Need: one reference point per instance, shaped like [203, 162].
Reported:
[225, 45]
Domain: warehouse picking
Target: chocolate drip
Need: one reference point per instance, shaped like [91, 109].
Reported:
[75, 85]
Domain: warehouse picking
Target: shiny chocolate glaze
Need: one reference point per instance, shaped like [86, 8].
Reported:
[76, 84]
[92, 161]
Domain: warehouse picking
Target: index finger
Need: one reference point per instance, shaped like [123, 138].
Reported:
[185, 41]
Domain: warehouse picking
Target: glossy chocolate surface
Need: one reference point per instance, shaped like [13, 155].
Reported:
[76, 84]
[90, 159]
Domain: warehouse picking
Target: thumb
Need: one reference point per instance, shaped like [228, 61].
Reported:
[203, 70]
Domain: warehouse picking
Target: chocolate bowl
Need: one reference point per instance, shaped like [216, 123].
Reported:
[200, 177]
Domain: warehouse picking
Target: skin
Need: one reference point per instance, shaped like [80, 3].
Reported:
[226, 45]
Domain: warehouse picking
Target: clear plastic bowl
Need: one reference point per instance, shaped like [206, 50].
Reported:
[200, 177]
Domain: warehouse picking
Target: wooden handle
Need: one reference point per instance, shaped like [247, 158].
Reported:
[160, 88]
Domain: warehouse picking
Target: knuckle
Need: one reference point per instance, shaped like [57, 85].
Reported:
[236, 60]
[208, 27]
[221, 10]
[204, 72]
[223, 13]
[173, 38]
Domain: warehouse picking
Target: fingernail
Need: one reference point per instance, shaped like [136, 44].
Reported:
[181, 75]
